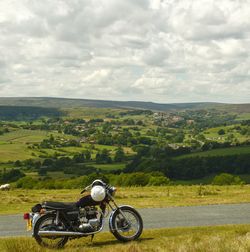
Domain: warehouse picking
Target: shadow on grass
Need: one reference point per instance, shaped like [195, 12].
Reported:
[96, 244]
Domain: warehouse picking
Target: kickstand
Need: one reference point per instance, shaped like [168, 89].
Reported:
[92, 237]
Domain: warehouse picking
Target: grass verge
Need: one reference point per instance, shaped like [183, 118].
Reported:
[213, 238]
[19, 200]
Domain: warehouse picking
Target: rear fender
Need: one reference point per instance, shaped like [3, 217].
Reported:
[34, 218]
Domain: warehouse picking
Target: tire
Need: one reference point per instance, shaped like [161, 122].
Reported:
[119, 226]
[59, 242]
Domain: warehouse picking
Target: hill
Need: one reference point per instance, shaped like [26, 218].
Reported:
[72, 103]
[26, 112]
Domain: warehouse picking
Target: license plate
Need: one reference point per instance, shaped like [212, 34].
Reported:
[29, 224]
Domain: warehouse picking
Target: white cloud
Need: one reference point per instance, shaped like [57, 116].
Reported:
[155, 50]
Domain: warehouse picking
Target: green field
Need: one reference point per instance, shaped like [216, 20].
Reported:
[12, 152]
[14, 145]
[243, 116]
[219, 152]
[212, 134]
[24, 136]
[89, 112]
[18, 200]
[93, 147]
[229, 238]
[109, 167]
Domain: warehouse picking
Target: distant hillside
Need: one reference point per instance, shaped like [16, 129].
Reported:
[27, 112]
[73, 103]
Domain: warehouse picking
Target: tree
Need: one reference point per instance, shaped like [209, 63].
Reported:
[11, 176]
[18, 163]
[42, 172]
[140, 123]
[63, 162]
[79, 158]
[221, 132]
[119, 155]
[179, 137]
[87, 154]
[37, 165]
[48, 162]
[103, 157]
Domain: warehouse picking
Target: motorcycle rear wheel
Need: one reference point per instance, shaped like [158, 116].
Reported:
[47, 223]
[128, 229]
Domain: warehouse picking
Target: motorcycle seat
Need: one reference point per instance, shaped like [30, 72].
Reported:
[59, 205]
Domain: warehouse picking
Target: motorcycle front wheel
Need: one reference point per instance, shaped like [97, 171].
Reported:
[47, 223]
[126, 224]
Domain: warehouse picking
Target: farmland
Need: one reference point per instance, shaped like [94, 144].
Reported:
[105, 137]
[14, 144]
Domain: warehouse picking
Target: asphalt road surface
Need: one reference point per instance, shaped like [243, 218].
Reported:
[14, 225]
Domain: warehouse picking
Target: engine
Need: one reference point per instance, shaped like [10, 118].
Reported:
[88, 218]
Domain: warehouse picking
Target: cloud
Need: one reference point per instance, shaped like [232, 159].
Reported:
[155, 50]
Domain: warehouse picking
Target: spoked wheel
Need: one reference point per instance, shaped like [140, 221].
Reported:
[48, 223]
[126, 225]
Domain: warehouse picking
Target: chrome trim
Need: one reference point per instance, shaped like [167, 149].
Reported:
[57, 217]
[59, 233]
[68, 233]
[35, 217]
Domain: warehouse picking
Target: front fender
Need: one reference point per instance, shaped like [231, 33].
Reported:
[112, 229]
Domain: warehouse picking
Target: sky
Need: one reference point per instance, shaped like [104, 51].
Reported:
[145, 50]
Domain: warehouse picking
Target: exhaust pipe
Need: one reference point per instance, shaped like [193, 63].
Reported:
[59, 233]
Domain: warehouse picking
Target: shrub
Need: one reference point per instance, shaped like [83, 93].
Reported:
[158, 181]
[127, 179]
[138, 179]
[11, 176]
[26, 183]
[227, 179]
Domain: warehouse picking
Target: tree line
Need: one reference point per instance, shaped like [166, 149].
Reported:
[165, 161]
[133, 179]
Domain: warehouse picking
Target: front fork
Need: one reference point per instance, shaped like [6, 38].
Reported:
[114, 209]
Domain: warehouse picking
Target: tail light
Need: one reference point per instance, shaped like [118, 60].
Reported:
[26, 216]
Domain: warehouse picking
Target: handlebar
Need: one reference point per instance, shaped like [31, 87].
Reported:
[86, 189]
[83, 191]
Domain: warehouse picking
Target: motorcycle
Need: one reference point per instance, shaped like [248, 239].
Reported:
[54, 223]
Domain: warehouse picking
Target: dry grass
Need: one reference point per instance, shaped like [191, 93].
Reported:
[220, 238]
[18, 201]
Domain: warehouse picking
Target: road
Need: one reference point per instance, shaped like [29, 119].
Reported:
[14, 225]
